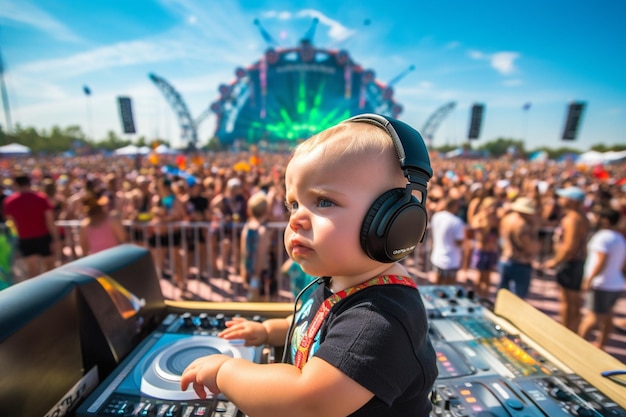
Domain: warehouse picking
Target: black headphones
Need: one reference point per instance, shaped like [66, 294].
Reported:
[396, 222]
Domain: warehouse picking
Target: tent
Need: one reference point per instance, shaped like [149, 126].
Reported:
[597, 158]
[132, 150]
[14, 149]
[163, 149]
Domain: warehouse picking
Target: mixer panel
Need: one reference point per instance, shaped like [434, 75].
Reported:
[484, 369]
[147, 382]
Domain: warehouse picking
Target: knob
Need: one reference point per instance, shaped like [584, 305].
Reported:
[559, 394]
[205, 323]
[579, 410]
[515, 404]
[150, 410]
[173, 410]
[187, 320]
[220, 320]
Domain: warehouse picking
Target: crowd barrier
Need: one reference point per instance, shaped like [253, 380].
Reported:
[201, 246]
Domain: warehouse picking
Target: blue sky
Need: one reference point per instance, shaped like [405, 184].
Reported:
[499, 53]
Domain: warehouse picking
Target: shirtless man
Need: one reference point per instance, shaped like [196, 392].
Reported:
[571, 253]
[518, 236]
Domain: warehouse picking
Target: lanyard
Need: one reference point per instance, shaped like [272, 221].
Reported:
[302, 353]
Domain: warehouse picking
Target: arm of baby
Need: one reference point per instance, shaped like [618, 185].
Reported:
[271, 332]
[276, 390]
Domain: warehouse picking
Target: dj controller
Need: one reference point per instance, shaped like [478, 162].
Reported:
[147, 383]
[486, 368]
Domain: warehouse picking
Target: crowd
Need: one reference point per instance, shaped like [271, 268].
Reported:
[504, 215]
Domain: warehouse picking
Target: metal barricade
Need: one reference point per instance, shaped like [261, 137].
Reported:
[199, 248]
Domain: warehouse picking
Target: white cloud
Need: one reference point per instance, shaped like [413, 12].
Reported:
[24, 12]
[116, 55]
[476, 54]
[504, 62]
[336, 31]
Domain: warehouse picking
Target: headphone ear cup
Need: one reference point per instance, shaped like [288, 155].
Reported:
[393, 226]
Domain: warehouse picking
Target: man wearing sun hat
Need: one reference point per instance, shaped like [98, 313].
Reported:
[570, 255]
[518, 236]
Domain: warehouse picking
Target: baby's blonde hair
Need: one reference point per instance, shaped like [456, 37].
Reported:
[351, 140]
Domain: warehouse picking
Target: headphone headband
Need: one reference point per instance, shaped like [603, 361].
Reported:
[409, 144]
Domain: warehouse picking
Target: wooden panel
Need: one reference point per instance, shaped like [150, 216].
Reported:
[579, 355]
[268, 310]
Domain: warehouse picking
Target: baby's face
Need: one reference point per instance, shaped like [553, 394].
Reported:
[328, 202]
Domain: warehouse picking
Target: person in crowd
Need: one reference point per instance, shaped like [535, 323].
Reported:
[197, 209]
[486, 227]
[298, 279]
[603, 276]
[33, 217]
[137, 209]
[448, 234]
[49, 188]
[228, 210]
[478, 192]
[166, 238]
[256, 240]
[519, 246]
[368, 354]
[99, 229]
[115, 195]
[569, 259]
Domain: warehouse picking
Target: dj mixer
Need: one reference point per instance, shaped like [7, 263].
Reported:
[147, 383]
[486, 368]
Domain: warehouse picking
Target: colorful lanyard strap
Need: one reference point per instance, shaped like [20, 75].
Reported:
[302, 353]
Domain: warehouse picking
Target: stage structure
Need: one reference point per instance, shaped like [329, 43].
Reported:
[188, 126]
[435, 119]
[292, 93]
[288, 95]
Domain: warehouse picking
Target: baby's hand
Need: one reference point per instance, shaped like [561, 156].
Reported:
[254, 333]
[203, 373]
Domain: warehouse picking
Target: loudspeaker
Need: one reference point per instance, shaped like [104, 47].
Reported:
[126, 114]
[396, 221]
[477, 119]
[574, 114]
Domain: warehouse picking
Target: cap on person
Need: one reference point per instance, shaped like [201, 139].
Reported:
[571, 193]
[523, 205]
[233, 182]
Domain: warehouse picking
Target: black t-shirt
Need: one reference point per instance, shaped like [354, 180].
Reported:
[377, 336]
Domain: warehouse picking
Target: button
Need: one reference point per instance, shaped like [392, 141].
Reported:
[515, 404]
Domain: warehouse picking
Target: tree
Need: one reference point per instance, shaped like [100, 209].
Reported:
[501, 147]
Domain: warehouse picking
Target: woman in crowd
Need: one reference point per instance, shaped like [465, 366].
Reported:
[99, 230]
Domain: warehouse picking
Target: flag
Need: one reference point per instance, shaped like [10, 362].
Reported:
[526, 106]
[86, 90]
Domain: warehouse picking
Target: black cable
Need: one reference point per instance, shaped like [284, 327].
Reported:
[293, 315]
